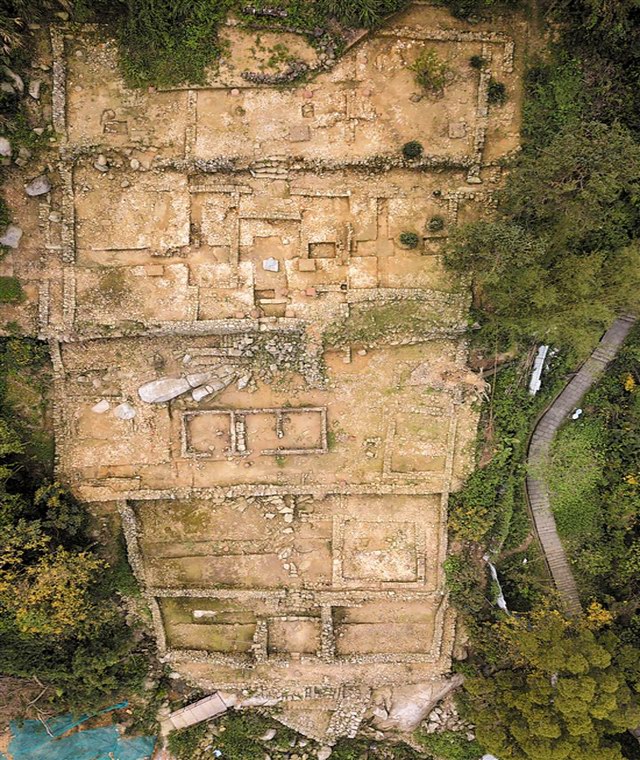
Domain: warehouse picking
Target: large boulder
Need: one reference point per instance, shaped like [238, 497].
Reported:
[164, 389]
[16, 80]
[407, 706]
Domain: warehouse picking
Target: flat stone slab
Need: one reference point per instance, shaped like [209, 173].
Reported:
[164, 389]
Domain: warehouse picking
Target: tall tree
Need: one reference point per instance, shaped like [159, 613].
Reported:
[562, 691]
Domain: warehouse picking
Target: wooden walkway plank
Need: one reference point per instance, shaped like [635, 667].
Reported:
[538, 458]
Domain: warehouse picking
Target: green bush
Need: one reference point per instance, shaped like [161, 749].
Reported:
[412, 149]
[409, 239]
[496, 93]
[185, 744]
[10, 290]
[477, 62]
[430, 71]
[435, 224]
[450, 745]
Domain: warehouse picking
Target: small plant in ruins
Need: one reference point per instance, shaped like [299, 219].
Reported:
[431, 72]
[412, 149]
[435, 224]
[10, 290]
[477, 62]
[496, 93]
[409, 239]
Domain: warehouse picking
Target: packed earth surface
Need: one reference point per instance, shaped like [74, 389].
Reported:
[251, 369]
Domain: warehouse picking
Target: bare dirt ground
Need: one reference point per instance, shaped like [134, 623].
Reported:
[306, 407]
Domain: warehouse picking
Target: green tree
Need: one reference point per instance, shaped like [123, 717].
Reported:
[563, 257]
[63, 516]
[52, 596]
[561, 692]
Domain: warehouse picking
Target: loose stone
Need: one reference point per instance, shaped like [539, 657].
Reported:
[11, 236]
[38, 186]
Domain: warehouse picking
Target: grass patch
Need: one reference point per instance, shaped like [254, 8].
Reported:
[381, 323]
[11, 290]
[113, 285]
[25, 377]
[575, 475]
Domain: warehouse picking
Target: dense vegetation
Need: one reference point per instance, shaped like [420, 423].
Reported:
[240, 736]
[563, 257]
[59, 616]
[595, 485]
[167, 42]
[557, 689]
[556, 265]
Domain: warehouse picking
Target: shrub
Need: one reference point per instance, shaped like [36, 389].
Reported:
[185, 743]
[409, 239]
[10, 290]
[431, 72]
[435, 224]
[412, 149]
[477, 62]
[496, 93]
[167, 43]
[450, 745]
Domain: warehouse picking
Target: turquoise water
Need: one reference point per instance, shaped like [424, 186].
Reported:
[31, 741]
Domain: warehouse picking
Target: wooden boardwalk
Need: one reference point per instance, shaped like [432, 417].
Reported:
[204, 709]
[538, 458]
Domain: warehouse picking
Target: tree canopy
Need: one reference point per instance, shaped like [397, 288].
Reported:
[562, 690]
[563, 256]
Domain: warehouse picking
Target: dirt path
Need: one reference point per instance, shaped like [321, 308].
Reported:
[538, 458]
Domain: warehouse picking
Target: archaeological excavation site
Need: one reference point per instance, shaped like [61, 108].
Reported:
[260, 361]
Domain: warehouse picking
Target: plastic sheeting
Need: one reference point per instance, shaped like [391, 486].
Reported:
[32, 742]
[538, 365]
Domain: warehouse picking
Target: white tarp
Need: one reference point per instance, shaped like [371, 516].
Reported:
[538, 365]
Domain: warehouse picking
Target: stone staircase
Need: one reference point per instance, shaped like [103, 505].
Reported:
[352, 707]
[271, 167]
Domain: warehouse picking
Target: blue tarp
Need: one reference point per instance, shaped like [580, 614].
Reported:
[32, 742]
